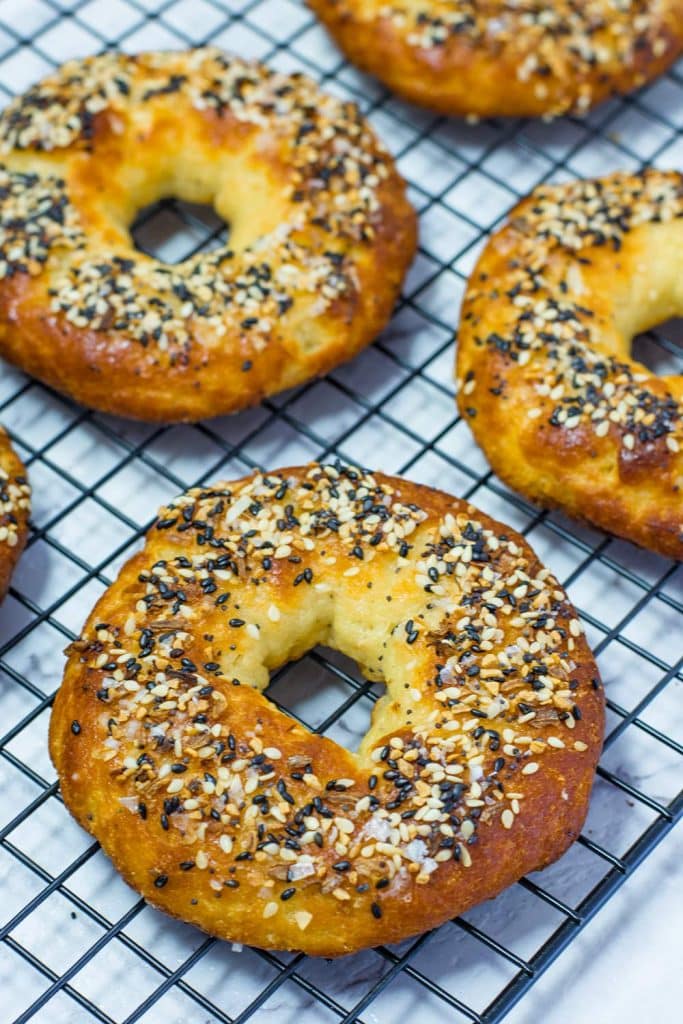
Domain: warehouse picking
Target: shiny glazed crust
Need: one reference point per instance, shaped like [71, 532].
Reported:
[321, 233]
[15, 507]
[223, 811]
[502, 58]
[545, 378]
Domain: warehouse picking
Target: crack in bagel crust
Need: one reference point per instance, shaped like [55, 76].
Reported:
[545, 378]
[223, 811]
[321, 232]
[15, 507]
[507, 57]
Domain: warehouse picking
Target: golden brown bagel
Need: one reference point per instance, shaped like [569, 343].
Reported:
[507, 57]
[545, 379]
[15, 507]
[225, 812]
[321, 233]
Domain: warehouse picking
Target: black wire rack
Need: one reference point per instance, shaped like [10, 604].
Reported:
[77, 944]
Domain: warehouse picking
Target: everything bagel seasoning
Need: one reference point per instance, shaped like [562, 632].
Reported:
[491, 714]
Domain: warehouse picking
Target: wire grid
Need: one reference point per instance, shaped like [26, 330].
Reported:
[77, 944]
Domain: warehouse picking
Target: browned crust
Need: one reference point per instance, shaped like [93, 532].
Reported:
[109, 369]
[553, 809]
[113, 374]
[471, 77]
[14, 512]
[635, 494]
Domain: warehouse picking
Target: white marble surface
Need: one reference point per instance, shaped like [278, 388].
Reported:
[624, 968]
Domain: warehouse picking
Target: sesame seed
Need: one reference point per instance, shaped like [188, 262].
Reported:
[502, 660]
[578, 380]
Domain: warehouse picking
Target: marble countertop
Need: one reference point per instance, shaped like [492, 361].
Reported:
[624, 968]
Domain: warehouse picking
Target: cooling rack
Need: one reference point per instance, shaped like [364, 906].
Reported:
[75, 943]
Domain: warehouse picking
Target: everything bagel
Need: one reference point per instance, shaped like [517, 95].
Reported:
[321, 233]
[15, 506]
[223, 811]
[507, 57]
[545, 378]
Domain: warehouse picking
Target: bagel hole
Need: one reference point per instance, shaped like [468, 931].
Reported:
[661, 348]
[172, 230]
[327, 693]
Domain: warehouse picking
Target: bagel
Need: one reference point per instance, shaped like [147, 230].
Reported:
[516, 58]
[223, 811]
[321, 233]
[544, 373]
[15, 507]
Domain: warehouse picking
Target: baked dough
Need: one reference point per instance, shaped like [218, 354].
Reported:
[223, 811]
[507, 57]
[15, 507]
[545, 377]
[321, 233]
